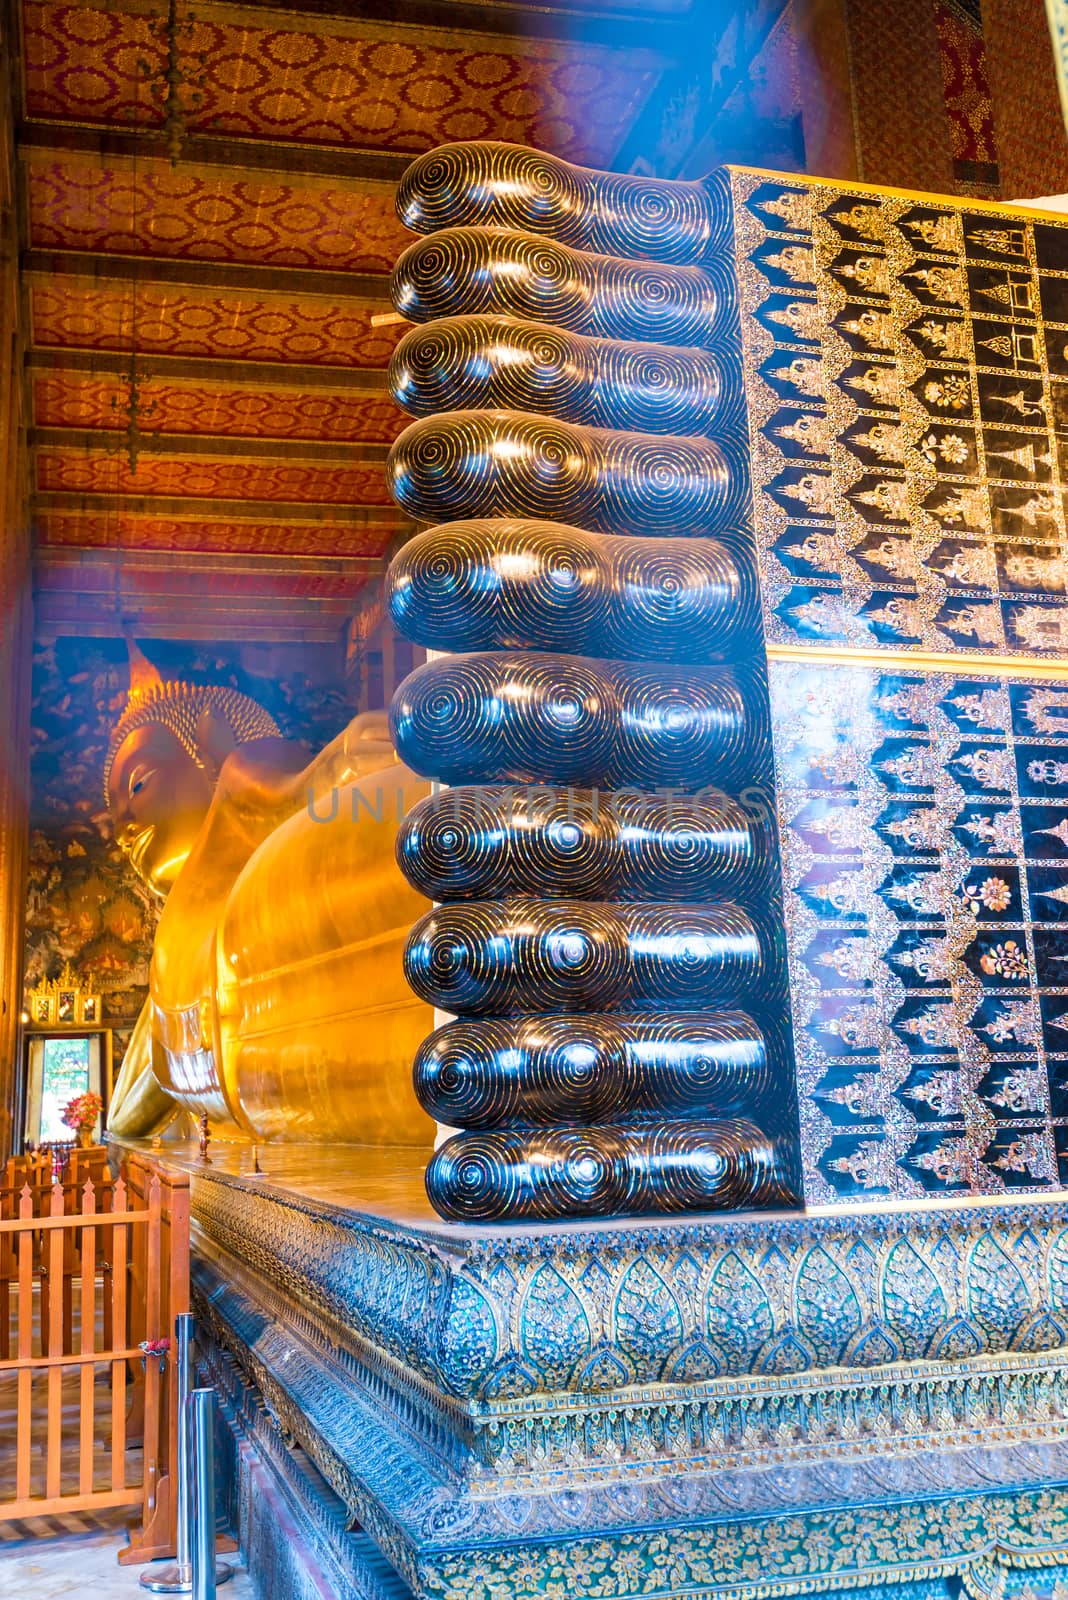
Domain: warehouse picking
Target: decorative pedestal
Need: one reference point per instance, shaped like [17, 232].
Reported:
[747, 1406]
[841, 412]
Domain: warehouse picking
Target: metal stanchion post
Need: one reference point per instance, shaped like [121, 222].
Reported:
[207, 1572]
[178, 1578]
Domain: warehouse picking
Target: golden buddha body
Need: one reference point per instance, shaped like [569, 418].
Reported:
[613, 965]
[277, 1000]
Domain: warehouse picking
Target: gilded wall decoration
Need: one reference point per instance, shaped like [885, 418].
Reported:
[342, 82]
[962, 49]
[206, 477]
[204, 216]
[134, 531]
[77, 400]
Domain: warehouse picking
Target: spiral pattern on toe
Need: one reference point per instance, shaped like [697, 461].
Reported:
[466, 272]
[499, 463]
[500, 583]
[545, 1070]
[483, 958]
[525, 717]
[513, 1174]
[484, 843]
[494, 185]
[481, 362]
[683, 599]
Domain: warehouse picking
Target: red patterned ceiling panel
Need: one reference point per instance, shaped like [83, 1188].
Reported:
[159, 584]
[197, 217]
[228, 326]
[164, 535]
[86, 472]
[75, 400]
[333, 82]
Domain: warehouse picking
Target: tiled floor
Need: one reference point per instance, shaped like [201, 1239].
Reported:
[84, 1564]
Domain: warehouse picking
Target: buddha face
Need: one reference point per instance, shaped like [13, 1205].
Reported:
[158, 797]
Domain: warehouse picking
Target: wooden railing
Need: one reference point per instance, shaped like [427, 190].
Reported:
[42, 1169]
[81, 1287]
[39, 1173]
[159, 1290]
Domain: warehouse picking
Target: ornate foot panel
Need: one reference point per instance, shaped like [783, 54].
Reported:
[740, 487]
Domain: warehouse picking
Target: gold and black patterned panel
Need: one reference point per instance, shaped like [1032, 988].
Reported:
[488, 842]
[459, 363]
[489, 185]
[471, 271]
[515, 584]
[525, 1175]
[906, 361]
[506, 463]
[584, 454]
[588, 1069]
[924, 819]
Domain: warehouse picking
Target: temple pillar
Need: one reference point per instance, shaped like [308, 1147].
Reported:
[1028, 126]
[825, 87]
[15, 640]
[901, 123]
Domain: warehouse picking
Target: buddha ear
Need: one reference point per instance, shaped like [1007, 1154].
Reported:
[215, 738]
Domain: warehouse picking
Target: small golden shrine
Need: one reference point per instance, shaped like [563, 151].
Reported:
[63, 1002]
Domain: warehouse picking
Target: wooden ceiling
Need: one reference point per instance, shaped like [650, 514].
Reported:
[207, 231]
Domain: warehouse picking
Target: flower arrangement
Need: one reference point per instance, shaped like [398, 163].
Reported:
[154, 1350]
[81, 1112]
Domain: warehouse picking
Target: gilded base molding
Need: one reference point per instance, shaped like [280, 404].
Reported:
[493, 1315]
[300, 1541]
[390, 1355]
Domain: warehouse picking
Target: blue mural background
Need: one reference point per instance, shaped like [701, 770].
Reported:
[85, 905]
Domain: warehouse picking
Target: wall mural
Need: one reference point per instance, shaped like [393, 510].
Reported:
[85, 903]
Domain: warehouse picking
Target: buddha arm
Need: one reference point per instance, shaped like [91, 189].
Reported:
[139, 1106]
[317, 1027]
[267, 791]
[277, 982]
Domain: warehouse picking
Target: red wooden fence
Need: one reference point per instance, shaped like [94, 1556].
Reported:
[88, 1271]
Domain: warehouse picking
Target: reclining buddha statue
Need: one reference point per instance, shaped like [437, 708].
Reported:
[590, 894]
[277, 998]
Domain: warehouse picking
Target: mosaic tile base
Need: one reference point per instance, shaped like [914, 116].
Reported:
[904, 1420]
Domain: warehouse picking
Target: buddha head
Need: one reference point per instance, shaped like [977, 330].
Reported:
[163, 763]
